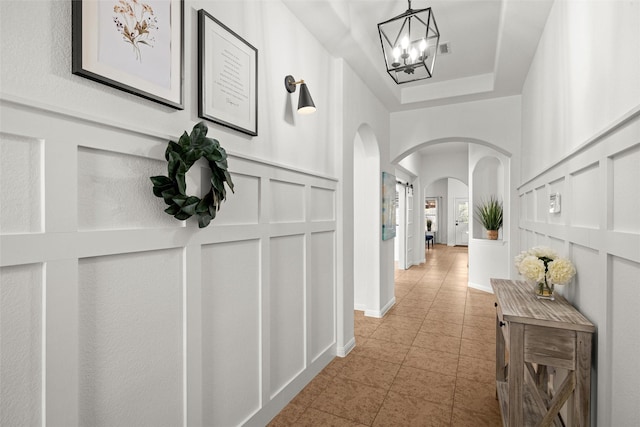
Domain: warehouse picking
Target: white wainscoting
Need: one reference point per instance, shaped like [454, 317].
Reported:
[114, 313]
[599, 229]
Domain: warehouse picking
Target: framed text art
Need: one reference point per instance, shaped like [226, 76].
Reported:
[388, 206]
[227, 76]
[132, 45]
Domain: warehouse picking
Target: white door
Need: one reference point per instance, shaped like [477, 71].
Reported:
[409, 229]
[462, 221]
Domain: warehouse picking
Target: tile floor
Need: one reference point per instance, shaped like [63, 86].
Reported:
[429, 362]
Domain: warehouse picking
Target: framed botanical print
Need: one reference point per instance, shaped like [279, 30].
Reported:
[132, 45]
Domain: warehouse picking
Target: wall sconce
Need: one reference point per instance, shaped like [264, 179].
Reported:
[305, 103]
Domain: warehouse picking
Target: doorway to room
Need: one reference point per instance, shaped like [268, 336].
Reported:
[461, 212]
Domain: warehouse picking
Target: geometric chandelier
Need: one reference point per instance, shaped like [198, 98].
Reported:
[409, 44]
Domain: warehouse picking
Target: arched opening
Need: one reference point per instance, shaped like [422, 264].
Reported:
[492, 163]
[367, 225]
[488, 181]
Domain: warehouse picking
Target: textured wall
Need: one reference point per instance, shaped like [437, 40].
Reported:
[112, 312]
[581, 139]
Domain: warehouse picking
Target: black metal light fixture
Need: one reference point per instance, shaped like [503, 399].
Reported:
[305, 103]
[409, 44]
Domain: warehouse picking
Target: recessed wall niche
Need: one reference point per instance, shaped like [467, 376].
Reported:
[488, 181]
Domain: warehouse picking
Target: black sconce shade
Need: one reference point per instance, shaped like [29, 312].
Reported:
[305, 102]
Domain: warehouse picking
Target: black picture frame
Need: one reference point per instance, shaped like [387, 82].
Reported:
[147, 61]
[227, 76]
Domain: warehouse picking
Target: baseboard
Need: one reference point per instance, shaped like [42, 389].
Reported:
[343, 351]
[383, 311]
[360, 307]
[273, 406]
[480, 287]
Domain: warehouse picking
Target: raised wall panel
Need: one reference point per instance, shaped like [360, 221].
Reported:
[131, 339]
[21, 345]
[287, 202]
[587, 290]
[557, 245]
[587, 195]
[522, 200]
[322, 204]
[115, 192]
[542, 204]
[231, 332]
[241, 207]
[557, 186]
[625, 342]
[20, 184]
[321, 275]
[626, 191]
[286, 309]
[530, 206]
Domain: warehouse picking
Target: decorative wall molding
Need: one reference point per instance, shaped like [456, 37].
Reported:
[234, 267]
[37, 106]
[598, 229]
[622, 121]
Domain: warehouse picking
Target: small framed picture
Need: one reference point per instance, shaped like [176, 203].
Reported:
[132, 45]
[227, 76]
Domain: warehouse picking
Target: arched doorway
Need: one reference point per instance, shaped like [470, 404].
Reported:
[486, 258]
[366, 224]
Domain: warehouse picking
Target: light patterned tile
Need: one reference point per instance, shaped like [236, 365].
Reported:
[439, 342]
[476, 396]
[443, 328]
[351, 400]
[399, 410]
[315, 418]
[480, 349]
[475, 369]
[424, 385]
[312, 390]
[372, 372]
[432, 360]
[465, 418]
[382, 350]
[395, 335]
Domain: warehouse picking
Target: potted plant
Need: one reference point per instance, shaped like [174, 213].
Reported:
[429, 222]
[490, 214]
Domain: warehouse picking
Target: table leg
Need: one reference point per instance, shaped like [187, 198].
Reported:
[581, 395]
[516, 373]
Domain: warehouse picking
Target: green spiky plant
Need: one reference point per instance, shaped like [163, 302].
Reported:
[490, 213]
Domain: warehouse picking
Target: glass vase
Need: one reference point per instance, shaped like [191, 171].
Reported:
[544, 290]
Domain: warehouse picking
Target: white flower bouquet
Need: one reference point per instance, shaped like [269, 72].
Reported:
[543, 266]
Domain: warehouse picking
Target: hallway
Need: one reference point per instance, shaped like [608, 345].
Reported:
[429, 362]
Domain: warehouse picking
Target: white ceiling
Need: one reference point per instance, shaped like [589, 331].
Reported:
[492, 44]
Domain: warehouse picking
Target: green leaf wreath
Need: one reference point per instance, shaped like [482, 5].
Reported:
[181, 156]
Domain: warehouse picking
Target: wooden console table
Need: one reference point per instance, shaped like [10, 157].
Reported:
[539, 335]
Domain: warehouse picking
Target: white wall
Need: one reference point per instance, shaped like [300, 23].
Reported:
[113, 312]
[360, 112]
[494, 122]
[581, 138]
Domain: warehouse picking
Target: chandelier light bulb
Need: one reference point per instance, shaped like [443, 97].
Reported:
[413, 54]
[423, 46]
[405, 42]
[396, 57]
